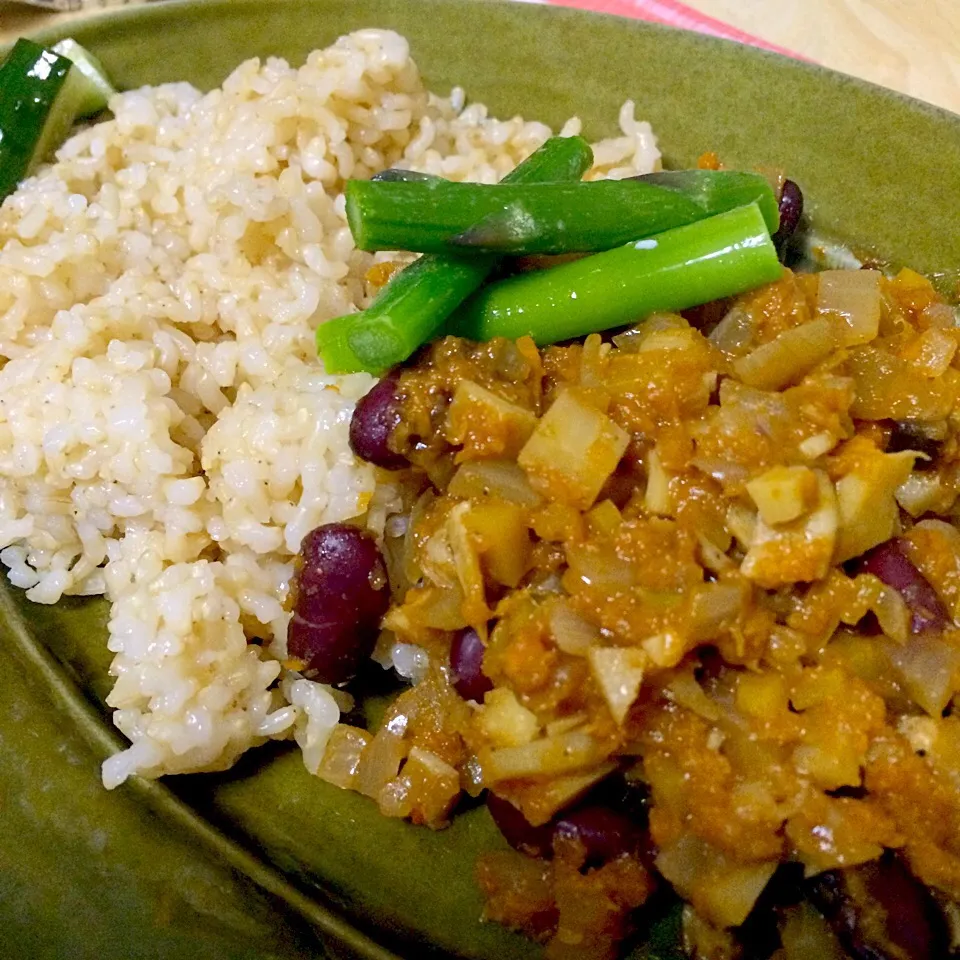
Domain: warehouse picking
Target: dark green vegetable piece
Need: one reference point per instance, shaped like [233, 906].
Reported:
[413, 306]
[41, 94]
[31, 122]
[681, 268]
[437, 216]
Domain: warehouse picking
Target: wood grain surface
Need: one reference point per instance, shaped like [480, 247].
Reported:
[910, 45]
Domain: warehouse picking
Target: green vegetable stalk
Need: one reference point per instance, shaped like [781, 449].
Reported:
[413, 306]
[718, 257]
[437, 216]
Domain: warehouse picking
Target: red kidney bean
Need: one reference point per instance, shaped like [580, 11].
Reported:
[881, 912]
[791, 210]
[340, 594]
[466, 661]
[517, 830]
[889, 563]
[375, 417]
[604, 833]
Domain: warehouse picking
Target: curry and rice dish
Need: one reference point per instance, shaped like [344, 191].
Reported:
[660, 534]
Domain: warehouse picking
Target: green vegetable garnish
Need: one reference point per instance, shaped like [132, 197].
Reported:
[437, 216]
[98, 89]
[415, 303]
[41, 94]
[683, 267]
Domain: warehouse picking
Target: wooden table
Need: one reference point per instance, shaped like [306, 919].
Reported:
[909, 45]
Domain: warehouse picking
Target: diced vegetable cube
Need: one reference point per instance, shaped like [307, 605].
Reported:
[666, 649]
[789, 357]
[341, 759]
[619, 673]
[867, 503]
[571, 632]
[504, 721]
[783, 493]
[501, 539]
[573, 451]
[797, 552]
[887, 386]
[656, 498]
[604, 519]
[545, 757]
[485, 425]
[852, 296]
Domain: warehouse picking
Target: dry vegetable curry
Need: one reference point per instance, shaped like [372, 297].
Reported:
[689, 596]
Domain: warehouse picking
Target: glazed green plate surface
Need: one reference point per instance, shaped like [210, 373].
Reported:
[267, 862]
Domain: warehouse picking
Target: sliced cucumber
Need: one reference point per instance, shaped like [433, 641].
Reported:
[41, 94]
[97, 88]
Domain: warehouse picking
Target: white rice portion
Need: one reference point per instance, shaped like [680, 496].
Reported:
[167, 436]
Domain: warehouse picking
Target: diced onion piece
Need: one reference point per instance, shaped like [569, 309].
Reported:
[924, 493]
[712, 556]
[789, 357]
[853, 296]
[715, 606]
[685, 690]
[742, 523]
[922, 732]
[761, 695]
[571, 632]
[783, 493]
[866, 501]
[501, 539]
[939, 315]
[504, 721]
[539, 802]
[933, 547]
[703, 939]
[566, 724]
[657, 496]
[467, 563]
[729, 897]
[486, 426]
[572, 451]
[817, 445]
[892, 613]
[722, 890]
[931, 352]
[604, 519]
[930, 668]
[341, 759]
[380, 762]
[887, 387]
[666, 649]
[425, 790]
[599, 566]
[830, 766]
[430, 607]
[644, 336]
[734, 333]
[618, 672]
[798, 552]
[546, 757]
[493, 480]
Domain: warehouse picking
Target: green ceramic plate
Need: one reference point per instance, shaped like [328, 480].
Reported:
[266, 861]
